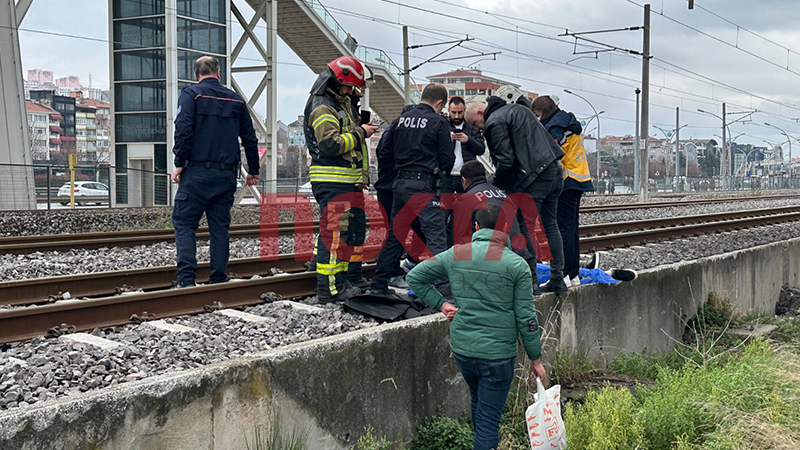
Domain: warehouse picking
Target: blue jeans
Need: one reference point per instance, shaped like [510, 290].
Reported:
[489, 381]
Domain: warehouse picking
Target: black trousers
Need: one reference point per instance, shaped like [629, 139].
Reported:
[545, 191]
[431, 221]
[334, 266]
[451, 185]
[208, 191]
[568, 205]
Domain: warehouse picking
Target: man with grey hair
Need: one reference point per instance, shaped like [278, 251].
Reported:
[210, 121]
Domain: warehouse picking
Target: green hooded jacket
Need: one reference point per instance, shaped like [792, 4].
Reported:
[492, 290]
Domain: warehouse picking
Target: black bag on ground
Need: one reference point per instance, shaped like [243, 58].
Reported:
[389, 307]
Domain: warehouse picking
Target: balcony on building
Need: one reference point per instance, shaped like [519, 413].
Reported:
[56, 116]
[55, 141]
[56, 129]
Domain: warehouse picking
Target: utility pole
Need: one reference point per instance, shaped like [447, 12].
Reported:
[723, 170]
[406, 68]
[636, 154]
[644, 157]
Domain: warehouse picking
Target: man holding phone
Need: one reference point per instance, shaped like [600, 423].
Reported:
[468, 144]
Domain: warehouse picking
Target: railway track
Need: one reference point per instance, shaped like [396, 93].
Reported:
[594, 237]
[65, 242]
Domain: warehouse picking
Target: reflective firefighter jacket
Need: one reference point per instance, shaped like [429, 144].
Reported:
[334, 138]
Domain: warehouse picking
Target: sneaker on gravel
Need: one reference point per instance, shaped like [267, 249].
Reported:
[575, 282]
[407, 265]
[622, 274]
[398, 282]
[593, 263]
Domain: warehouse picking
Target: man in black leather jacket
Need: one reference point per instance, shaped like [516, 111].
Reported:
[527, 160]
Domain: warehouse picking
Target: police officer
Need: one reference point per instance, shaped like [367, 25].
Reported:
[211, 119]
[423, 152]
[339, 172]
[473, 179]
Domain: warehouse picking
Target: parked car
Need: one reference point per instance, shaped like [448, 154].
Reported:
[85, 192]
[305, 189]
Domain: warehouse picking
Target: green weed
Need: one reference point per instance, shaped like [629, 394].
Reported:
[443, 433]
[277, 438]
[369, 442]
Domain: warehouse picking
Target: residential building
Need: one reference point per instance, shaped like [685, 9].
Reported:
[625, 145]
[147, 75]
[65, 106]
[103, 122]
[43, 77]
[297, 133]
[86, 133]
[44, 128]
[472, 85]
[71, 82]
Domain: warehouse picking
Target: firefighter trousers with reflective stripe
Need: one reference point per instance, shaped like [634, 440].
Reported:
[345, 224]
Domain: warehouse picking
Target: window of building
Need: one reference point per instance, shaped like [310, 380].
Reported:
[138, 33]
[41, 118]
[135, 8]
[160, 158]
[146, 96]
[456, 92]
[201, 36]
[186, 61]
[140, 65]
[471, 92]
[147, 127]
[80, 121]
[210, 10]
[437, 80]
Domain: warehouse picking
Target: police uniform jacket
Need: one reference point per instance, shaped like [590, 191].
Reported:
[420, 142]
[520, 146]
[335, 140]
[211, 119]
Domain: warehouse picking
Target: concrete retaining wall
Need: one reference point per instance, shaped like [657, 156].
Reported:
[647, 312]
[389, 377]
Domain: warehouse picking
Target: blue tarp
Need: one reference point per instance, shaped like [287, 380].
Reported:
[587, 276]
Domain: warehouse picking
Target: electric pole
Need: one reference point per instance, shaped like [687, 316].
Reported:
[636, 152]
[406, 68]
[723, 170]
[644, 157]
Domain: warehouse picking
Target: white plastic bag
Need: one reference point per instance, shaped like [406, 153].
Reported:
[545, 425]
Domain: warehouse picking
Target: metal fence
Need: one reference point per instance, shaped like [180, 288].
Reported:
[25, 187]
[624, 185]
[47, 186]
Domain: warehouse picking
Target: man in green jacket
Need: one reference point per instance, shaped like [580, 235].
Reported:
[492, 306]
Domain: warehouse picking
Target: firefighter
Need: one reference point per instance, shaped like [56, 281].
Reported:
[339, 172]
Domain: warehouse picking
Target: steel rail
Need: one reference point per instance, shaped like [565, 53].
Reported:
[65, 242]
[32, 321]
[39, 290]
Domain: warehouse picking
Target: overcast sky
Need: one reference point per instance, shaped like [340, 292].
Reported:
[534, 57]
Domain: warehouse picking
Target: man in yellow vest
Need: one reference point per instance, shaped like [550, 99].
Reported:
[566, 130]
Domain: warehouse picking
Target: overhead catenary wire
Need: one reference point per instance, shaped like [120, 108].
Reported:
[695, 97]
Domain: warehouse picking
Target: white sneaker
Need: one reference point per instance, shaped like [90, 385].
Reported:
[407, 265]
[399, 283]
[576, 281]
[567, 281]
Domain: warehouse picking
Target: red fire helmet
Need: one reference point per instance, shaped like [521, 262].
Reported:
[348, 71]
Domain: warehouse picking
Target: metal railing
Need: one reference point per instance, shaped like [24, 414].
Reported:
[369, 55]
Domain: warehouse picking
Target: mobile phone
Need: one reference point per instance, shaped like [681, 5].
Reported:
[366, 116]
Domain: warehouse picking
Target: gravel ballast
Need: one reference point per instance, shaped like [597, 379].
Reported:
[47, 368]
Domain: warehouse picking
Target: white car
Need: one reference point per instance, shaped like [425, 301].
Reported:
[305, 189]
[97, 192]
